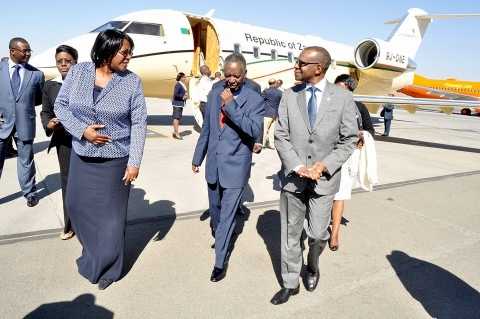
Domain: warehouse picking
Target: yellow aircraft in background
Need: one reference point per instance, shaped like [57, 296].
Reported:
[448, 89]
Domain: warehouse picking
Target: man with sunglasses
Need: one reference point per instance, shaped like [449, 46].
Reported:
[315, 134]
[20, 90]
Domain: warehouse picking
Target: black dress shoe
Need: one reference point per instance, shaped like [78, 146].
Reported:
[283, 295]
[218, 274]
[104, 283]
[311, 280]
[32, 201]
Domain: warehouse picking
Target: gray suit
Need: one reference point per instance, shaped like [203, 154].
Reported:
[18, 115]
[331, 140]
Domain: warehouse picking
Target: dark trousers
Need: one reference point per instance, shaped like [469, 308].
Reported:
[63, 154]
[25, 164]
[203, 106]
[224, 204]
[387, 123]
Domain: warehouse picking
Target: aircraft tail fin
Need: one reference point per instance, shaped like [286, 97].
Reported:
[411, 29]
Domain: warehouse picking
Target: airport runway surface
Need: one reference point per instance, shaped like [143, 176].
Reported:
[411, 249]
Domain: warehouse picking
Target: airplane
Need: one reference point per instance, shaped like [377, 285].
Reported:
[453, 89]
[169, 41]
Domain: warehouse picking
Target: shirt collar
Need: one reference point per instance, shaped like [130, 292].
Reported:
[320, 85]
[58, 79]
[11, 64]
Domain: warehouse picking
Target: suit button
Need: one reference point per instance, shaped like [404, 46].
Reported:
[310, 141]
[309, 156]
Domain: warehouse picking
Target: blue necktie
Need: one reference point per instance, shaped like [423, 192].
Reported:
[312, 106]
[15, 81]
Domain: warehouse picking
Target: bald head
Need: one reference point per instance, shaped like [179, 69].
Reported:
[205, 70]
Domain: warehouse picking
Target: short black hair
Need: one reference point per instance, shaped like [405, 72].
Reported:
[180, 76]
[236, 58]
[349, 81]
[107, 44]
[67, 49]
[14, 41]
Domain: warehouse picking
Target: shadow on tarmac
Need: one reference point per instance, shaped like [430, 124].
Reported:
[268, 227]
[442, 294]
[50, 184]
[146, 222]
[79, 308]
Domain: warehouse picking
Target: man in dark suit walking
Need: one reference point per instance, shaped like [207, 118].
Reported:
[20, 90]
[272, 96]
[233, 122]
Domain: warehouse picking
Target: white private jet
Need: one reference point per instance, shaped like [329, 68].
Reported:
[168, 42]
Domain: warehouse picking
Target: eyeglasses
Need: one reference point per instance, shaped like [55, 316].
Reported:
[25, 51]
[64, 61]
[126, 53]
[301, 63]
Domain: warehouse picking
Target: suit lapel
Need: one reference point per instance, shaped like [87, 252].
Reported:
[302, 107]
[6, 76]
[27, 75]
[240, 99]
[325, 103]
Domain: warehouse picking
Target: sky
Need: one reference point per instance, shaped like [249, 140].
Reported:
[448, 49]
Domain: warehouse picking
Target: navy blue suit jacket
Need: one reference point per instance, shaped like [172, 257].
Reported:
[229, 149]
[272, 97]
[178, 94]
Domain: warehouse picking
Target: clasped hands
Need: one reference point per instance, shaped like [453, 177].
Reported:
[313, 172]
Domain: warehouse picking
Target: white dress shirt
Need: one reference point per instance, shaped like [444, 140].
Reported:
[319, 93]
[11, 69]
[203, 88]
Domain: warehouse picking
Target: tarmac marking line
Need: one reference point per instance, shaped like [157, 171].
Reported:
[50, 233]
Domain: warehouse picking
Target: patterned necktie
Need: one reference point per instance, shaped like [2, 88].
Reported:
[312, 106]
[222, 117]
[15, 81]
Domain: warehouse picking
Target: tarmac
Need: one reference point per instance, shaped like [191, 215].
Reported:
[409, 249]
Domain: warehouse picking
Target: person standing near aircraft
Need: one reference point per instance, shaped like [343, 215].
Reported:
[233, 121]
[203, 87]
[20, 90]
[217, 78]
[65, 57]
[387, 114]
[315, 134]
[279, 85]
[346, 181]
[101, 104]
[272, 97]
[178, 102]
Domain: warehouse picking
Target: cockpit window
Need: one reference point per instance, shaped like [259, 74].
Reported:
[146, 28]
[111, 25]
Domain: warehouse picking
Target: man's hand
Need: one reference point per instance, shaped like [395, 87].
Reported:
[131, 174]
[303, 172]
[195, 169]
[257, 148]
[361, 140]
[92, 136]
[226, 96]
[53, 123]
[317, 170]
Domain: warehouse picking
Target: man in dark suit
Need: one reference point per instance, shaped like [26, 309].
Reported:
[233, 122]
[272, 96]
[20, 90]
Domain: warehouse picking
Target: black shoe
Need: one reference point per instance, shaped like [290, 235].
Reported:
[32, 201]
[218, 274]
[311, 280]
[283, 295]
[104, 283]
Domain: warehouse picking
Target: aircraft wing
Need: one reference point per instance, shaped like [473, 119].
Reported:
[411, 104]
